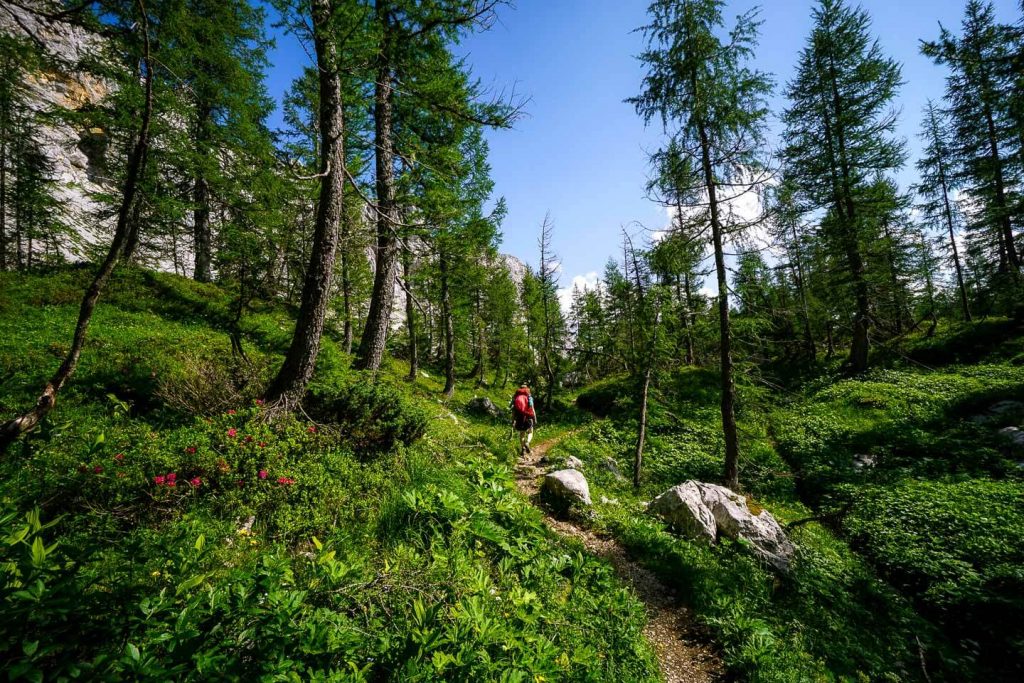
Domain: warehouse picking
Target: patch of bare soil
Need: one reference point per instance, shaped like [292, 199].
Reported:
[685, 652]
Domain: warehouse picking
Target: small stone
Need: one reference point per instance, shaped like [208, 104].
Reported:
[481, 405]
[573, 463]
[613, 467]
[863, 461]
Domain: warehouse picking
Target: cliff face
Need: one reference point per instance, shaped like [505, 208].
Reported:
[76, 153]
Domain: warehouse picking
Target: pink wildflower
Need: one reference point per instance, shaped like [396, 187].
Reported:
[259, 401]
[231, 412]
[262, 444]
[119, 457]
[232, 432]
[248, 439]
[263, 474]
[311, 429]
[196, 482]
[285, 481]
[171, 476]
[190, 450]
[159, 480]
[172, 484]
[97, 469]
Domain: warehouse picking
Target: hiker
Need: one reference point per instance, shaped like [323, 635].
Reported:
[525, 417]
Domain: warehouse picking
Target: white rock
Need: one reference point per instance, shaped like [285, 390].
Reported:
[735, 521]
[609, 501]
[702, 511]
[481, 405]
[566, 488]
[573, 463]
[683, 508]
[863, 461]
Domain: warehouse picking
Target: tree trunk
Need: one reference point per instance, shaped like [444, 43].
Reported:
[290, 384]
[732, 454]
[802, 292]
[449, 329]
[410, 318]
[378, 321]
[202, 236]
[12, 429]
[641, 435]
[3, 192]
[965, 307]
[346, 286]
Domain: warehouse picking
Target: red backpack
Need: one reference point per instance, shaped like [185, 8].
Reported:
[522, 404]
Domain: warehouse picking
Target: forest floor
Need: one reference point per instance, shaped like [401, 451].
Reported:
[685, 651]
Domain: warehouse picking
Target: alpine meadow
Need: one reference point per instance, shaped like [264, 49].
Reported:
[527, 342]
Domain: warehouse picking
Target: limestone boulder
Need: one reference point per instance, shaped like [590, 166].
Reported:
[706, 511]
[736, 521]
[566, 488]
[682, 507]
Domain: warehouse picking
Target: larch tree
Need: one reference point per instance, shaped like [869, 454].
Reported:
[329, 22]
[935, 191]
[980, 96]
[713, 106]
[133, 18]
[839, 135]
[405, 30]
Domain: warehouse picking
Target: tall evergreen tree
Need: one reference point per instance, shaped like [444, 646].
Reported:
[935, 189]
[328, 24]
[713, 105]
[839, 136]
[979, 95]
[408, 35]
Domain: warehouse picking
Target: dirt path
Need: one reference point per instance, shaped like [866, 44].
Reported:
[684, 651]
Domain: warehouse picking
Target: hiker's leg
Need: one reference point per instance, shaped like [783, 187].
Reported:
[529, 435]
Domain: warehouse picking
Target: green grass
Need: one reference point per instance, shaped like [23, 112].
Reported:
[831, 619]
[939, 514]
[418, 561]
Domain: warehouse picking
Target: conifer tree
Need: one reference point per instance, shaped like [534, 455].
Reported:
[409, 35]
[133, 18]
[328, 25]
[935, 189]
[979, 96]
[839, 136]
[713, 106]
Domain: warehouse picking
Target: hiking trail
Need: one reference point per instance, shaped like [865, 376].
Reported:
[684, 650]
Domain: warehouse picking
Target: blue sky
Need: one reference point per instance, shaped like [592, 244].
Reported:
[581, 152]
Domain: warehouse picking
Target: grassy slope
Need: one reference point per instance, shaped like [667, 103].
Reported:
[419, 563]
[927, 561]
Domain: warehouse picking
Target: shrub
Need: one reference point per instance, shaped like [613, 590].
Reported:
[604, 398]
[372, 417]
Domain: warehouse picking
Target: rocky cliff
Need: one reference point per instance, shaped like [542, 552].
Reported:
[75, 152]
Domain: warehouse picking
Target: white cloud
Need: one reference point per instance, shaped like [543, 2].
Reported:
[589, 281]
